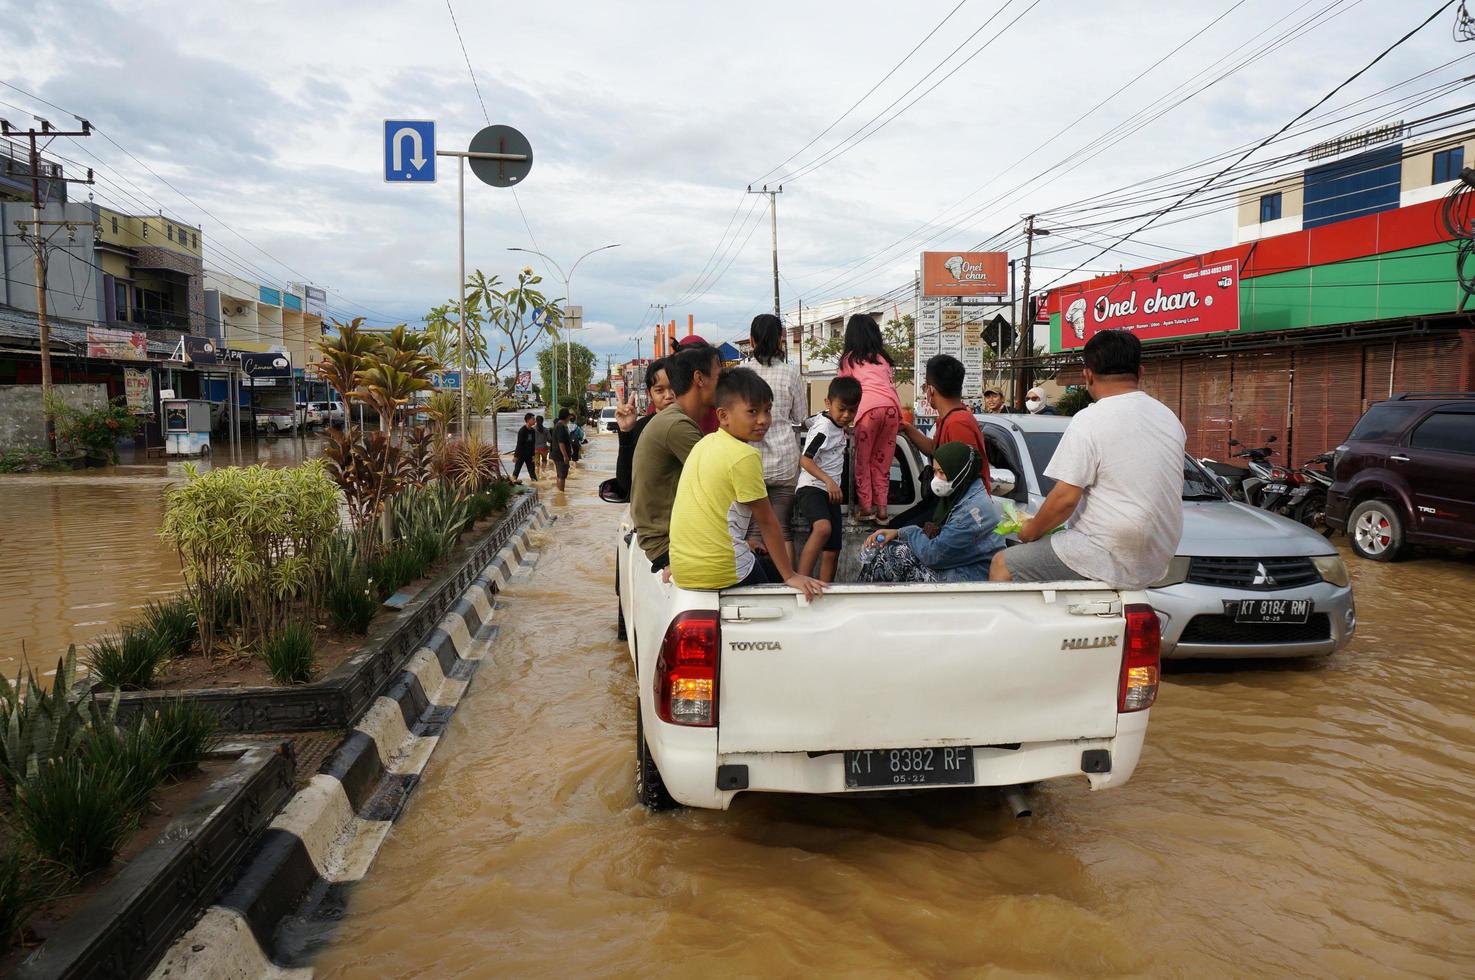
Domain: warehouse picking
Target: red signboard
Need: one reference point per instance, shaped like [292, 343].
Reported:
[965, 273]
[1181, 303]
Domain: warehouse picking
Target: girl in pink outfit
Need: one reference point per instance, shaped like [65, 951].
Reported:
[878, 418]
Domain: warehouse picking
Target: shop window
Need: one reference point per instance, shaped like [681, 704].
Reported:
[194, 239]
[170, 232]
[1269, 207]
[115, 225]
[120, 299]
[1448, 164]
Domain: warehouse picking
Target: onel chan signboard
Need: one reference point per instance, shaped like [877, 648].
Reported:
[965, 273]
[1182, 303]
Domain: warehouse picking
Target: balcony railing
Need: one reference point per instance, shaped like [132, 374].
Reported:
[160, 318]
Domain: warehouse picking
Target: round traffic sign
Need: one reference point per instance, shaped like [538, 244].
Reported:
[501, 139]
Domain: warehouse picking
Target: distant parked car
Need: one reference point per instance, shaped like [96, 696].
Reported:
[309, 415]
[1406, 476]
[607, 420]
[330, 413]
[273, 421]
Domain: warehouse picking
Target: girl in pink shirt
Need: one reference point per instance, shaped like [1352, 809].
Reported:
[878, 417]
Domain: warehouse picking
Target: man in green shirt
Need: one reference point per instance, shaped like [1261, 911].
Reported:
[665, 444]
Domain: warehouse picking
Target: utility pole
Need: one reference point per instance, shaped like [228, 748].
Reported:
[38, 246]
[773, 226]
[1025, 329]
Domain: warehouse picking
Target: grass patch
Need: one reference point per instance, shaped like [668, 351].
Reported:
[289, 654]
[25, 885]
[173, 623]
[184, 733]
[75, 814]
[127, 660]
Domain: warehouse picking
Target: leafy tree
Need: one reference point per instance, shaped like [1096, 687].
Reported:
[898, 335]
[583, 368]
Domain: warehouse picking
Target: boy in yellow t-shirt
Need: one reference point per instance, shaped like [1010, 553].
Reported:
[722, 489]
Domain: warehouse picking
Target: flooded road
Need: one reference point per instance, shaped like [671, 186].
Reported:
[1284, 819]
[80, 552]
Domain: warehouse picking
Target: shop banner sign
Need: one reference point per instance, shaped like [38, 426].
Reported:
[524, 382]
[269, 365]
[117, 345]
[200, 350]
[1183, 303]
[965, 273]
[138, 387]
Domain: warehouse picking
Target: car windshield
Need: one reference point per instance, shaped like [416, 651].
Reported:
[1198, 484]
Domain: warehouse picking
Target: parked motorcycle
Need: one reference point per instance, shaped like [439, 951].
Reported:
[1307, 502]
[1266, 486]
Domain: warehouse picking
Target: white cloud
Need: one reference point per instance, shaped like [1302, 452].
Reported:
[647, 120]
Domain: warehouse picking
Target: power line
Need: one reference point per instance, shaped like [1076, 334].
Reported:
[1303, 114]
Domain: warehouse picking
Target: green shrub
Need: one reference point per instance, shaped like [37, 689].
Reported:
[1073, 400]
[127, 660]
[75, 814]
[347, 592]
[500, 492]
[96, 431]
[173, 622]
[256, 534]
[39, 724]
[133, 754]
[184, 733]
[25, 885]
[30, 461]
[289, 654]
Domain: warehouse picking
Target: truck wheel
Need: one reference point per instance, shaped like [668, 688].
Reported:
[1375, 529]
[650, 789]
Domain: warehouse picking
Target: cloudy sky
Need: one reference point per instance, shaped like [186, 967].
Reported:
[262, 121]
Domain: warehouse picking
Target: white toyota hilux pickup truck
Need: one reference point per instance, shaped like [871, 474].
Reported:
[882, 687]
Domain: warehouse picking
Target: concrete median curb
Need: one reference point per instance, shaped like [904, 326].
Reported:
[326, 837]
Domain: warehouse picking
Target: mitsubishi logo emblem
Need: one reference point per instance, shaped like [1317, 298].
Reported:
[1262, 577]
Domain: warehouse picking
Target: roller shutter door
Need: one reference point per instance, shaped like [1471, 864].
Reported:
[1204, 405]
[1163, 380]
[1326, 399]
[1427, 364]
[1260, 399]
[1377, 373]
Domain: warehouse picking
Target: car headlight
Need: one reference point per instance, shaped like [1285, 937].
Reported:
[1176, 574]
[1332, 570]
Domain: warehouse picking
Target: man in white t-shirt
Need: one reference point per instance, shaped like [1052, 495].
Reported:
[1118, 476]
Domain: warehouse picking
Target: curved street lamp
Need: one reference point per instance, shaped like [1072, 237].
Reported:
[567, 299]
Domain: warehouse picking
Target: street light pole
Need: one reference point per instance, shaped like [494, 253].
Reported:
[567, 291]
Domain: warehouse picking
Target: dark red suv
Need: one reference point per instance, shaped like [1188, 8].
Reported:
[1406, 476]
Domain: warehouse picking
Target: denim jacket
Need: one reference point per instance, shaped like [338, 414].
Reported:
[966, 544]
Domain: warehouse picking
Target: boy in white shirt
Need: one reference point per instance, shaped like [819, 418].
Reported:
[818, 494]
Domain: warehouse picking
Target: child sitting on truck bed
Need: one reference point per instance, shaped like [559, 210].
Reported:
[818, 495]
[721, 490]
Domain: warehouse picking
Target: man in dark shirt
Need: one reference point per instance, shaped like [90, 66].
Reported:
[522, 455]
[561, 446]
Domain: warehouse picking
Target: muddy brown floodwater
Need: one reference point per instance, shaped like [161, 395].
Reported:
[1285, 819]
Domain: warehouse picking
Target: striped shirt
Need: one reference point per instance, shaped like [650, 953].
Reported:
[780, 447]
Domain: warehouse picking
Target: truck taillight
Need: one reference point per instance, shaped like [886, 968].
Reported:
[686, 671]
[1140, 652]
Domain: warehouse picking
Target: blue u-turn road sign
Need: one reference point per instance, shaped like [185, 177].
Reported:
[409, 151]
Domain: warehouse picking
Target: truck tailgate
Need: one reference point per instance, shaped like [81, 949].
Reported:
[903, 666]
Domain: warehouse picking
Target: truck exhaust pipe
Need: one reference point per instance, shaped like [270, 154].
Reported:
[1014, 796]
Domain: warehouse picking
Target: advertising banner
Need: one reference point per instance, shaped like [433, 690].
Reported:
[119, 345]
[268, 365]
[200, 350]
[446, 380]
[524, 382]
[138, 387]
[1182, 303]
[965, 273]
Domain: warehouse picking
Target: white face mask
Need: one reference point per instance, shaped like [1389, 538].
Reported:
[1034, 404]
[941, 486]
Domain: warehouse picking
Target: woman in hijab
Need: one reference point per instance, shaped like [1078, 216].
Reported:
[959, 543]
